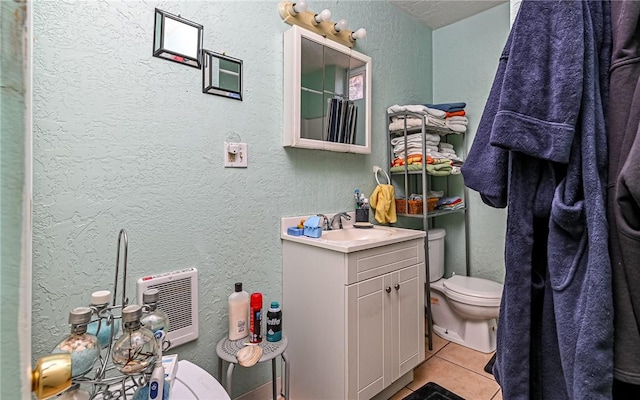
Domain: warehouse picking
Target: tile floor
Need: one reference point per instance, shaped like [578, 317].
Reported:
[455, 368]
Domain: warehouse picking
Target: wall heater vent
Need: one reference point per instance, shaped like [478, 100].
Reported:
[178, 291]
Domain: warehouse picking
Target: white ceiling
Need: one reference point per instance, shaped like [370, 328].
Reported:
[438, 13]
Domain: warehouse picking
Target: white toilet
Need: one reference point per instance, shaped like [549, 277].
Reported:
[464, 309]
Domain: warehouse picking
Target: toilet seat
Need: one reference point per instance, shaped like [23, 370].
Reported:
[473, 291]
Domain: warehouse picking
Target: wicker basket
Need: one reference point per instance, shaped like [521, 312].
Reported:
[414, 206]
[432, 202]
[401, 206]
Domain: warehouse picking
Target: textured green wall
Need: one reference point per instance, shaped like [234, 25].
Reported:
[126, 140]
[12, 142]
[465, 59]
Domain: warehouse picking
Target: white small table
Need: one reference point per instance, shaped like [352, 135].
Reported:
[226, 350]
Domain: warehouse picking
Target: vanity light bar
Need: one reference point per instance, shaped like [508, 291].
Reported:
[296, 13]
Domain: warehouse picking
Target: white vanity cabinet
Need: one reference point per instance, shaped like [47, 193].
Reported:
[354, 321]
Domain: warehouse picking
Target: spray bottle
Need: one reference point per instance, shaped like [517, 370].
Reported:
[255, 333]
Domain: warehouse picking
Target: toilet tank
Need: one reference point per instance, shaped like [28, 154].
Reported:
[436, 254]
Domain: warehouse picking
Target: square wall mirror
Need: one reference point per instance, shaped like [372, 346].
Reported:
[222, 75]
[177, 39]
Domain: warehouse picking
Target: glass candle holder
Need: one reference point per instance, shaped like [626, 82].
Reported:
[136, 349]
[82, 346]
[102, 327]
[154, 319]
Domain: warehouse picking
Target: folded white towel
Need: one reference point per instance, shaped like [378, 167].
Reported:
[435, 112]
[432, 137]
[458, 128]
[435, 154]
[399, 150]
[437, 122]
[399, 124]
[431, 147]
[458, 120]
[416, 137]
[418, 109]
[422, 109]
[396, 108]
[445, 145]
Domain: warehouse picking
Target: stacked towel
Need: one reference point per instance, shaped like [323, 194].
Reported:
[430, 116]
[450, 203]
[440, 167]
[447, 115]
[414, 144]
[457, 123]
[447, 150]
[455, 118]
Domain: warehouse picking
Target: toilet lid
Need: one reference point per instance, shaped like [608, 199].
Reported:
[473, 287]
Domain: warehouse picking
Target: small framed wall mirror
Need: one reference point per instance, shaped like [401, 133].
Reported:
[222, 75]
[177, 39]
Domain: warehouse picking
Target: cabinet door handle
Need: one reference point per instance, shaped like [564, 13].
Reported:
[397, 286]
[388, 289]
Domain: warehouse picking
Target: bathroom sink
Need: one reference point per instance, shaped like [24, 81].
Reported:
[349, 239]
[351, 234]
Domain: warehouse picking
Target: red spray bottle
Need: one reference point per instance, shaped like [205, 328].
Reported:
[255, 332]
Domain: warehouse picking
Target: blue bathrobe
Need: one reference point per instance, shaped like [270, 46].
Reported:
[624, 188]
[541, 149]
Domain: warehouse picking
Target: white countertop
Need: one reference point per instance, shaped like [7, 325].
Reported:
[396, 235]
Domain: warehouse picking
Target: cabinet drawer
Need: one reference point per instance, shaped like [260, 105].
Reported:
[381, 260]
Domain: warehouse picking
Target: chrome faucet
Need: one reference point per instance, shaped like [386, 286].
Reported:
[339, 217]
[326, 226]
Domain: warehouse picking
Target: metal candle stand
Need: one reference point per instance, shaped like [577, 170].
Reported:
[108, 382]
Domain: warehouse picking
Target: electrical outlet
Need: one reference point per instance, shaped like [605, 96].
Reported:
[235, 155]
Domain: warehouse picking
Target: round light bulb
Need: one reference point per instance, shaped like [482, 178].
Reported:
[340, 25]
[324, 15]
[359, 34]
[300, 7]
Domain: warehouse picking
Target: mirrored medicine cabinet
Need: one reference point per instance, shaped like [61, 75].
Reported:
[327, 94]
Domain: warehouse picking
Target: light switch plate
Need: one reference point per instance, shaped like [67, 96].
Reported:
[235, 155]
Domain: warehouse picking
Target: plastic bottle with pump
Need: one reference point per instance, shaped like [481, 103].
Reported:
[255, 330]
[238, 313]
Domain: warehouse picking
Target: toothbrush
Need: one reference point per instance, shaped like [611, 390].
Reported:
[156, 384]
[357, 194]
